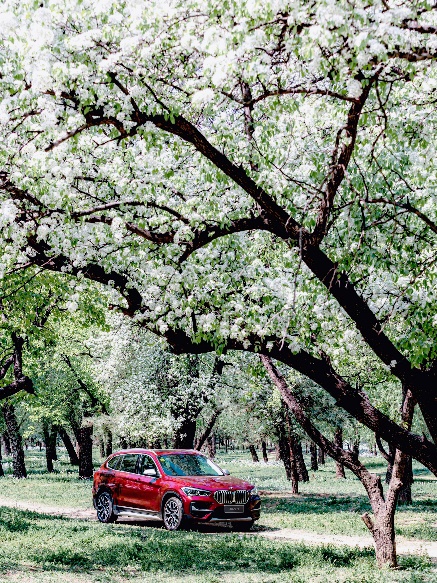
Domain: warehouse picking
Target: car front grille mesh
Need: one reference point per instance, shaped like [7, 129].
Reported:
[231, 496]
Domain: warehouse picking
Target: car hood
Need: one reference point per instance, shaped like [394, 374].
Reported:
[213, 482]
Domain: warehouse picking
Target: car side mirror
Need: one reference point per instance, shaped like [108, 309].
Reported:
[226, 472]
[150, 472]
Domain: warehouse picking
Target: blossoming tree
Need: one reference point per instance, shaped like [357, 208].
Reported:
[255, 176]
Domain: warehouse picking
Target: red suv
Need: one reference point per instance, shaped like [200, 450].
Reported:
[175, 486]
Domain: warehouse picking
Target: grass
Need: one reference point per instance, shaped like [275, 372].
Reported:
[37, 547]
[54, 546]
[328, 505]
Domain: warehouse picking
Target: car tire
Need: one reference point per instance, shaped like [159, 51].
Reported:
[242, 526]
[105, 507]
[173, 513]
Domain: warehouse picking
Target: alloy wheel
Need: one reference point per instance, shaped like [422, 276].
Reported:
[104, 507]
[172, 514]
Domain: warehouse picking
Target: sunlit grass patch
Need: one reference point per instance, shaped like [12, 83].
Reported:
[49, 545]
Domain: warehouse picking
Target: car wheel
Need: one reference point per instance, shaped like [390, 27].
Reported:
[173, 513]
[105, 507]
[242, 526]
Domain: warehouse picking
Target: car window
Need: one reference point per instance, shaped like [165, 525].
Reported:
[129, 463]
[185, 464]
[114, 462]
[147, 465]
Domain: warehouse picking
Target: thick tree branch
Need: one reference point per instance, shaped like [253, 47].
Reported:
[21, 382]
[371, 482]
[344, 146]
[356, 403]
[406, 206]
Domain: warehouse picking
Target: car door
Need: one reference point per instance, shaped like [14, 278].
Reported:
[148, 485]
[128, 480]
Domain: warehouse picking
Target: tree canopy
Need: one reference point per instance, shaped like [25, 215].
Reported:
[255, 176]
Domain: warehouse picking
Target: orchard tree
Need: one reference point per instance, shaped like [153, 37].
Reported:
[157, 398]
[38, 327]
[254, 176]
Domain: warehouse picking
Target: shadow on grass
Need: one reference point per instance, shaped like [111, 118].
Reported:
[58, 544]
[52, 543]
[191, 552]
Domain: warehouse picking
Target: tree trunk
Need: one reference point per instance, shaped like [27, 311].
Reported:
[19, 467]
[284, 452]
[286, 448]
[102, 447]
[108, 441]
[338, 440]
[383, 532]
[74, 459]
[313, 452]
[356, 446]
[264, 450]
[253, 453]
[301, 468]
[277, 452]
[405, 496]
[184, 437]
[382, 525]
[294, 478]
[85, 443]
[7, 443]
[1, 466]
[321, 456]
[207, 431]
[211, 446]
[50, 442]
[390, 460]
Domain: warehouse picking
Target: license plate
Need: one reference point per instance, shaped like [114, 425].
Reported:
[234, 509]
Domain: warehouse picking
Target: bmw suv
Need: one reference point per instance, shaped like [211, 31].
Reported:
[175, 486]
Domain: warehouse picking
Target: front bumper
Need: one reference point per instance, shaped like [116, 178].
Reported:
[210, 511]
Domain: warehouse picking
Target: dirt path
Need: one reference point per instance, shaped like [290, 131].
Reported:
[47, 509]
[404, 546]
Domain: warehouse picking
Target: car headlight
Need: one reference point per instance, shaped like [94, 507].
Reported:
[254, 491]
[195, 492]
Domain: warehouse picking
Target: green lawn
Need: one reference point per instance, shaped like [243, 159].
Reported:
[34, 543]
[35, 547]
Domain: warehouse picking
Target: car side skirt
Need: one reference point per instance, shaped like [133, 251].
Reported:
[138, 512]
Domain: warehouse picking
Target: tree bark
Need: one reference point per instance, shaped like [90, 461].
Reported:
[185, 434]
[321, 456]
[19, 467]
[277, 452]
[1, 465]
[49, 433]
[405, 495]
[301, 468]
[253, 453]
[338, 440]
[74, 459]
[264, 450]
[294, 478]
[208, 429]
[211, 446]
[289, 465]
[108, 441]
[85, 443]
[6, 443]
[382, 525]
[313, 452]
[356, 446]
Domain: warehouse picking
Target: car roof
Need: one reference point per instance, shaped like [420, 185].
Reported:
[156, 451]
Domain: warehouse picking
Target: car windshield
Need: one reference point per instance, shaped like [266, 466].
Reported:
[185, 464]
